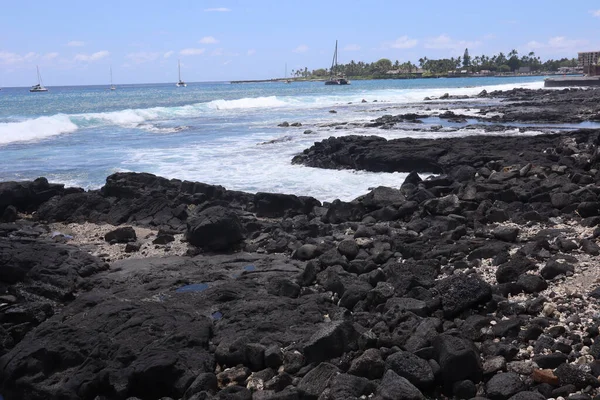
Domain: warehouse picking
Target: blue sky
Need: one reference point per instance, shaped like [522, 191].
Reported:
[76, 42]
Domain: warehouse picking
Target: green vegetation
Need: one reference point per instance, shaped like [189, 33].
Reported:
[496, 64]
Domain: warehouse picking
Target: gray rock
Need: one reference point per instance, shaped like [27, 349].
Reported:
[215, 229]
[411, 367]
[330, 341]
[504, 385]
[369, 365]
[506, 233]
[460, 292]
[121, 235]
[317, 379]
[394, 387]
[458, 360]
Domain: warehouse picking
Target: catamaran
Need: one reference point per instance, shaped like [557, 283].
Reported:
[180, 83]
[286, 77]
[112, 87]
[336, 78]
[40, 85]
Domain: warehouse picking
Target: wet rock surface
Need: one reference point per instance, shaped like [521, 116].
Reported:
[481, 282]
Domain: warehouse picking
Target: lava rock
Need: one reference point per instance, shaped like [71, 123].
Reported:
[215, 229]
[411, 367]
[504, 385]
[330, 341]
[393, 387]
[461, 292]
[121, 235]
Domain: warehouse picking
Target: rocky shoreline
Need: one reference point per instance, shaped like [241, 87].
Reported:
[479, 282]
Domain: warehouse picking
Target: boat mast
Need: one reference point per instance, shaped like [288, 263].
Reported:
[111, 84]
[334, 61]
[179, 66]
[39, 76]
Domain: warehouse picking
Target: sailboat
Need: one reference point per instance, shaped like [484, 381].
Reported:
[334, 78]
[286, 78]
[112, 87]
[180, 83]
[40, 85]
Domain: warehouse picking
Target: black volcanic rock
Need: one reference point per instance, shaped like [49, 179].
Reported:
[215, 228]
[460, 292]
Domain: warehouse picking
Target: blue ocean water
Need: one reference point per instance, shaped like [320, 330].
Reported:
[218, 133]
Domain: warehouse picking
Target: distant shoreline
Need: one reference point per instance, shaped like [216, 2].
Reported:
[361, 78]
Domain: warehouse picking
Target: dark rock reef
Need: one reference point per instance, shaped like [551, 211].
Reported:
[479, 282]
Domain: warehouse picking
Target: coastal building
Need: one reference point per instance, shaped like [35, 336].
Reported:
[406, 71]
[587, 58]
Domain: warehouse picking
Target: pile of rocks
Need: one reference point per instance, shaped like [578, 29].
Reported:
[479, 282]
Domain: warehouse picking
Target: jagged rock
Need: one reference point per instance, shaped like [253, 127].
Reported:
[393, 387]
[411, 367]
[506, 233]
[331, 340]
[504, 385]
[460, 292]
[554, 268]
[121, 235]
[458, 360]
[215, 228]
[369, 365]
[315, 382]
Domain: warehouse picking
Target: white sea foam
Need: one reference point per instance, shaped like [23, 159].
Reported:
[45, 127]
[255, 102]
[36, 129]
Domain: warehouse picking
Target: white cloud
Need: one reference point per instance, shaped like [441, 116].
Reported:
[217, 52]
[143, 57]
[445, 42]
[76, 43]
[558, 43]
[595, 13]
[403, 42]
[219, 9]
[168, 54]
[301, 49]
[352, 47]
[227, 62]
[50, 56]
[92, 57]
[14, 58]
[208, 40]
[251, 52]
[192, 52]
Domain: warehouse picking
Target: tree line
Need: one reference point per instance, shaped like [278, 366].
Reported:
[499, 63]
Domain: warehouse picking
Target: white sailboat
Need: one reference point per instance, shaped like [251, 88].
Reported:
[40, 85]
[112, 87]
[286, 78]
[336, 78]
[180, 83]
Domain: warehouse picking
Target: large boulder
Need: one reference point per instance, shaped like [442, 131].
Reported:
[458, 360]
[461, 292]
[504, 386]
[415, 369]
[27, 196]
[275, 205]
[134, 352]
[315, 382]
[444, 205]
[215, 229]
[330, 341]
[394, 387]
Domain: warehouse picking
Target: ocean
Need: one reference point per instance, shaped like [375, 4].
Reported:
[217, 133]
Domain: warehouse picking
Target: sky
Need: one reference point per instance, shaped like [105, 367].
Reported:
[77, 42]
